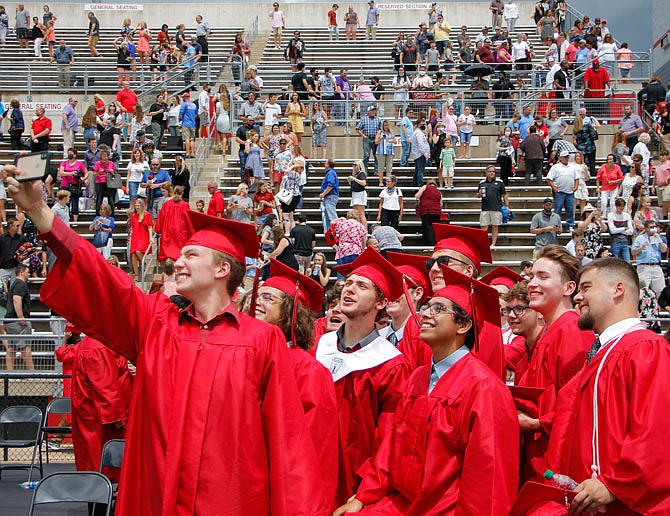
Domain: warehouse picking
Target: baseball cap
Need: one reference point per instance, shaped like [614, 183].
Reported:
[548, 200]
[186, 95]
[564, 154]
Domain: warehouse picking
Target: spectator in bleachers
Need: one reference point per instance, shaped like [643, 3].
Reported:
[100, 171]
[203, 111]
[295, 50]
[283, 159]
[329, 194]
[126, 98]
[621, 230]
[372, 21]
[390, 204]
[295, 112]
[351, 23]
[632, 126]
[156, 112]
[492, 193]
[333, 29]
[264, 203]
[583, 130]
[22, 25]
[135, 171]
[141, 234]
[40, 130]
[110, 137]
[278, 24]
[69, 123]
[342, 92]
[93, 34]
[319, 125]
[103, 227]
[51, 37]
[352, 235]
[410, 55]
[521, 53]
[188, 61]
[181, 176]
[511, 13]
[384, 152]
[401, 85]
[643, 214]
[429, 209]
[173, 116]
[216, 206]
[607, 184]
[546, 226]
[466, 123]
[388, 238]
[18, 307]
[60, 207]
[397, 49]
[368, 127]
[187, 114]
[596, 82]
[89, 123]
[202, 32]
[648, 250]
[441, 31]
[251, 108]
[583, 176]
[64, 57]
[240, 207]
[358, 184]
[123, 61]
[318, 270]
[563, 180]
[593, 225]
[253, 164]
[625, 63]
[17, 125]
[497, 9]
[39, 32]
[143, 42]
[73, 178]
[4, 25]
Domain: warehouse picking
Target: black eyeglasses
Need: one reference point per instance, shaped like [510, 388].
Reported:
[442, 260]
[518, 310]
[436, 309]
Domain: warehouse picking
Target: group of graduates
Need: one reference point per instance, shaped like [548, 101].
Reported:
[264, 410]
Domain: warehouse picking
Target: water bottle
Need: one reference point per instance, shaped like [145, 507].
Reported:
[29, 485]
[562, 481]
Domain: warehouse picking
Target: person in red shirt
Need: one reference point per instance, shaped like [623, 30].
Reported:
[559, 353]
[126, 99]
[596, 81]
[608, 180]
[484, 54]
[369, 372]
[454, 445]
[617, 453]
[571, 52]
[39, 131]
[333, 29]
[214, 402]
[264, 202]
[99, 104]
[216, 206]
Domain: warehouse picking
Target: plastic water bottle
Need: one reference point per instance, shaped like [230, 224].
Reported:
[562, 481]
[29, 485]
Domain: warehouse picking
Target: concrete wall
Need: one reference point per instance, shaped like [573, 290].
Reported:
[661, 24]
[298, 14]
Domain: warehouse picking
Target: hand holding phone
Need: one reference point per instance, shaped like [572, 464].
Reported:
[33, 167]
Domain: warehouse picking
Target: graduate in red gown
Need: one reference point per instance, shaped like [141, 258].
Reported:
[610, 428]
[463, 249]
[333, 318]
[413, 268]
[216, 421]
[526, 325]
[173, 224]
[369, 372]
[454, 445]
[559, 353]
[101, 389]
[291, 300]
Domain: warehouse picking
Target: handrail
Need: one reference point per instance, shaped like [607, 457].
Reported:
[144, 269]
[252, 32]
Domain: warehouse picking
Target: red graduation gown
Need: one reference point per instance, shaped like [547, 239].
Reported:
[634, 417]
[174, 227]
[490, 352]
[366, 400]
[216, 424]
[65, 354]
[101, 389]
[453, 451]
[558, 355]
[317, 393]
[516, 357]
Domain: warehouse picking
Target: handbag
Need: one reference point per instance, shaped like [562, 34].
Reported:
[142, 192]
[100, 238]
[284, 196]
[331, 237]
[114, 180]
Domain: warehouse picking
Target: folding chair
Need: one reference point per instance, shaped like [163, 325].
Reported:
[58, 406]
[73, 487]
[15, 422]
[112, 457]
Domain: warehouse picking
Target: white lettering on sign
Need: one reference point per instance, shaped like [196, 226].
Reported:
[48, 106]
[403, 6]
[113, 7]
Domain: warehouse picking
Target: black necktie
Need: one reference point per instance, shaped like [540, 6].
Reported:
[594, 349]
[393, 339]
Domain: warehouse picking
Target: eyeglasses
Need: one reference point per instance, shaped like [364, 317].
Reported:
[442, 260]
[436, 309]
[267, 298]
[518, 310]
[155, 165]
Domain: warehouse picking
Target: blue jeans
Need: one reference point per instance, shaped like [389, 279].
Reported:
[345, 259]
[328, 210]
[419, 169]
[299, 205]
[404, 157]
[369, 147]
[243, 161]
[562, 199]
[621, 250]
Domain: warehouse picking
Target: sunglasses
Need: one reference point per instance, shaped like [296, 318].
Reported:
[442, 260]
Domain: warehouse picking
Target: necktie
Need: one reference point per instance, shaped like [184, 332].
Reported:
[594, 349]
[393, 339]
[433, 379]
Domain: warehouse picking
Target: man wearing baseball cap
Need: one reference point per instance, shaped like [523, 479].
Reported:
[187, 116]
[369, 372]
[368, 127]
[211, 404]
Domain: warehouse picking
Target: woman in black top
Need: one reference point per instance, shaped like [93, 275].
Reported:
[283, 248]
[17, 125]
[181, 176]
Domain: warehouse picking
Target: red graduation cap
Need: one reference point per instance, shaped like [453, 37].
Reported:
[304, 289]
[414, 267]
[537, 499]
[470, 242]
[478, 299]
[502, 275]
[372, 265]
[237, 239]
[71, 328]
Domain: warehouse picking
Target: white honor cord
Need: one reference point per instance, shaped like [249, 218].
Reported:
[595, 448]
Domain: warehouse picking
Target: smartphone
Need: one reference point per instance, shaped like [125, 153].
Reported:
[34, 166]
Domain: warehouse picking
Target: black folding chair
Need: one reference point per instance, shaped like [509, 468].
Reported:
[73, 487]
[16, 422]
[58, 406]
[112, 457]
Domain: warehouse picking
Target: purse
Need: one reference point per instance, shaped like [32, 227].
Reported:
[114, 180]
[284, 196]
[142, 192]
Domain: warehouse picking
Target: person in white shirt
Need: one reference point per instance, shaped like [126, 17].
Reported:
[621, 229]
[422, 81]
[553, 68]
[278, 24]
[273, 112]
[203, 110]
[511, 13]
[466, 123]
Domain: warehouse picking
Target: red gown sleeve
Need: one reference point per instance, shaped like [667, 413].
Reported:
[376, 483]
[102, 372]
[100, 299]
[65, 354]
[391, 384]
[490, 474]
[642, 459]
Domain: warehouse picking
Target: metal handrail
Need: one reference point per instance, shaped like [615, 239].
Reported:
[252, 32]
[145, 265]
